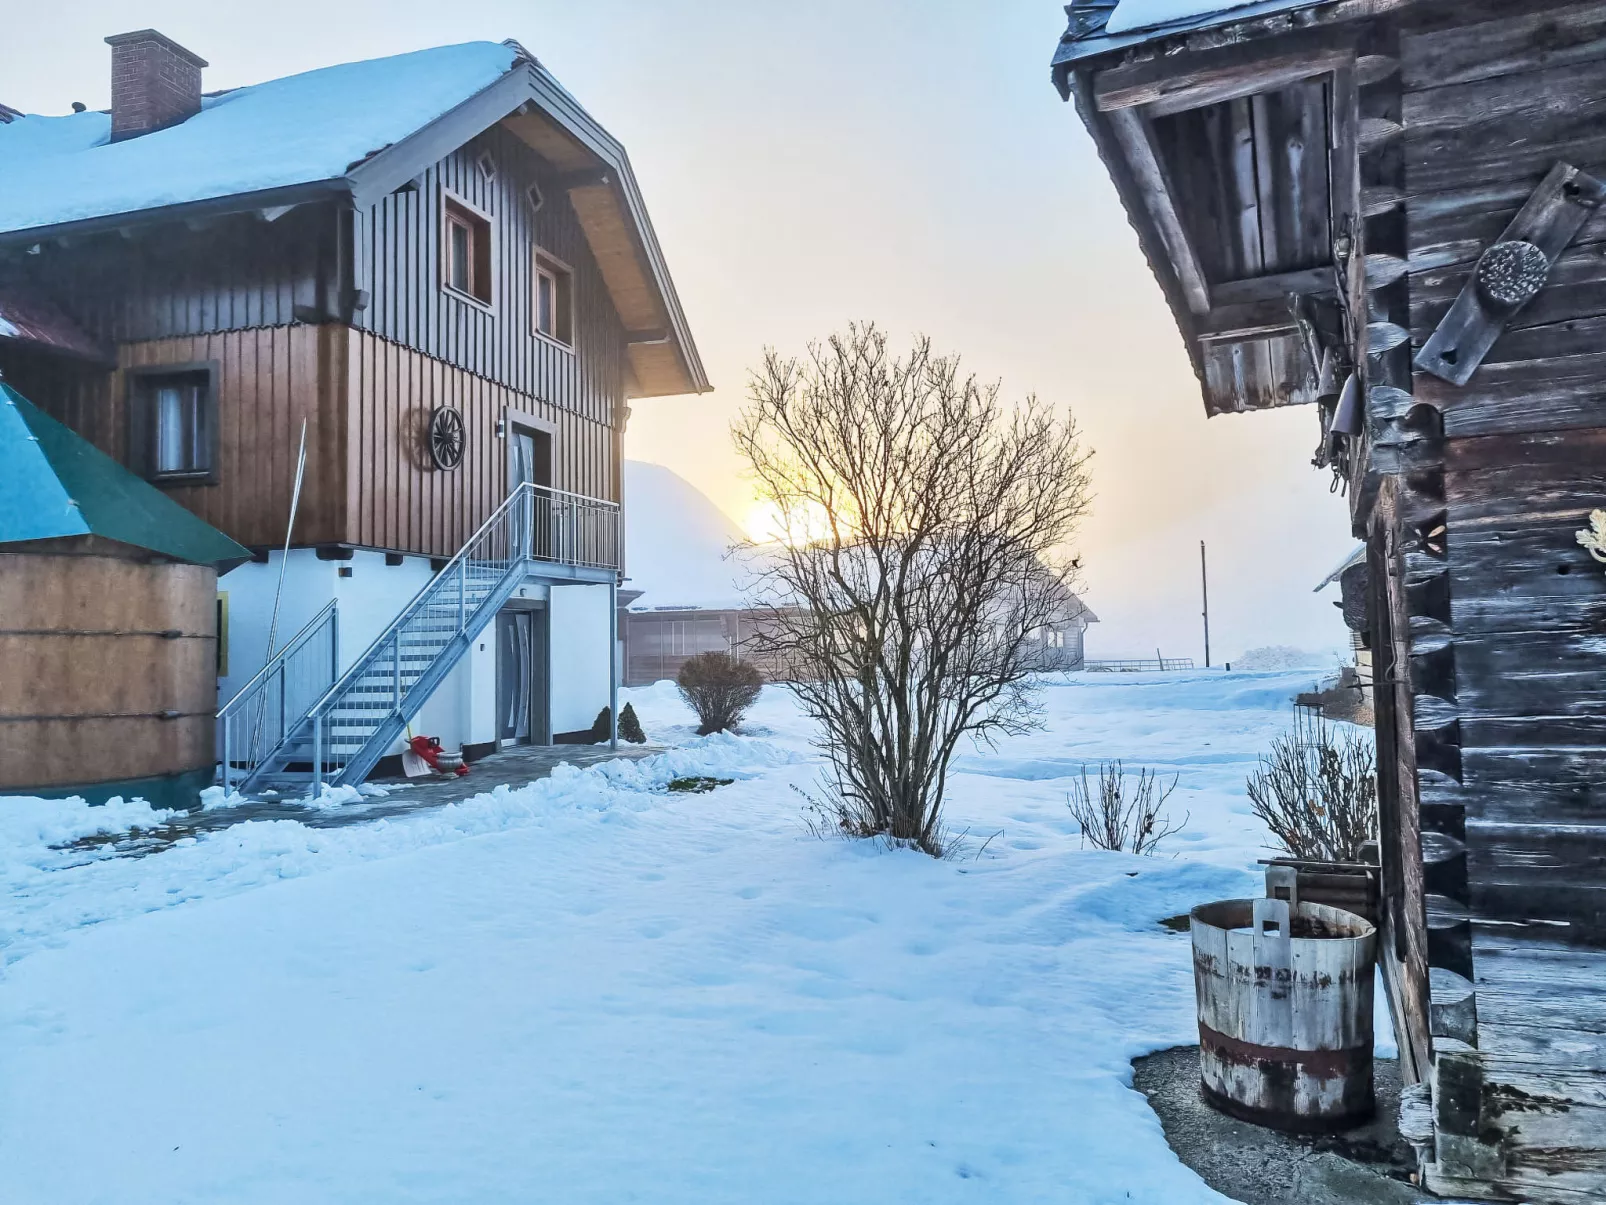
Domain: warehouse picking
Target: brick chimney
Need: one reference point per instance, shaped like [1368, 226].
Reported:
[156, 83]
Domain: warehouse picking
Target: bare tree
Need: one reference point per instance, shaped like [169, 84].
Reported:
[1317, 791]
[1123, 813]
[922, 532]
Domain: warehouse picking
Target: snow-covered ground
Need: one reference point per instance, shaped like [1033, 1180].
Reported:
[592, 990]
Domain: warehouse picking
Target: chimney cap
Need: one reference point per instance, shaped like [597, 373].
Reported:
[151, 35]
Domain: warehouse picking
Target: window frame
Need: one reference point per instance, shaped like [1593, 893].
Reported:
[544, 263]
[456, 210]
[141, 423]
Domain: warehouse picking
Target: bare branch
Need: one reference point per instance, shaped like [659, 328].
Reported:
[924, 551]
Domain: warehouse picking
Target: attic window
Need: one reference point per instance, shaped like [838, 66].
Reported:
[466, 252]
[487, 165]
[532, 194]
[553, 303]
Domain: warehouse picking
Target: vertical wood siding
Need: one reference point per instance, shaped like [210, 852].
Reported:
[396, 498]
[401, 247]
[237, 273]
[269, 380]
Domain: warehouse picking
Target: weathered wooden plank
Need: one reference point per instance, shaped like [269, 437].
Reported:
[1512, 674]
[1541, 872]
[1576, 289]
[1551, 36]
[1258, 320]
[1505, 128]
[1176, 82]
[1552, 217]
[1275, 286]
[1538, 982]
[1532, 473]
[1562, 393]
[1535, 786]
[1153, 180]
[1524, 577]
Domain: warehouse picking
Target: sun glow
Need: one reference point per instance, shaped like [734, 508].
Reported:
[767, 523]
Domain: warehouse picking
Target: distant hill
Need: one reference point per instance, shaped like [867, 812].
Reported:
[675, 542]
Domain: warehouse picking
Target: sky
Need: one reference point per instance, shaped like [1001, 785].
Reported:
[903, 161]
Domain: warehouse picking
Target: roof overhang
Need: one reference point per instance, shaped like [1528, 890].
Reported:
[34, 321]
[1249, 339]
[531, 104]
[601, 185]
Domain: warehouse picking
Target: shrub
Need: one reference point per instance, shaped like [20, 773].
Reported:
[1317, 793]
[1123, 813]
[719, 688]
[600, 727]
[630, 726]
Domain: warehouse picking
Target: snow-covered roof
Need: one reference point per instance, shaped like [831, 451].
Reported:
[1097, 26]
[299, 130]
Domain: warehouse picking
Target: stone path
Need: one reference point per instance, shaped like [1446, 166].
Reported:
[515, 767]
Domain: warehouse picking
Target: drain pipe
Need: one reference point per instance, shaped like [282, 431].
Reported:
[613, 664]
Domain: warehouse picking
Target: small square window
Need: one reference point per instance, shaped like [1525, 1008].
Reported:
[487, 165]
[467, 252]
[173, 424]
[554, 299]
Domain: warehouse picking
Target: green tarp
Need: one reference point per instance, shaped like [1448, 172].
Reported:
[54, 483]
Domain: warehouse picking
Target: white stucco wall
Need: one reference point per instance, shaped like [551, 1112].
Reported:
[580, 635]
[462, 711]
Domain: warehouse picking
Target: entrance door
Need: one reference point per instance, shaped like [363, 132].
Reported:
[530, 462]
[521, 678]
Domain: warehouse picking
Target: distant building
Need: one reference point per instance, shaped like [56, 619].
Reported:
[658, 641]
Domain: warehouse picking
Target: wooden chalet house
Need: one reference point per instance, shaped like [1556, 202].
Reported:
[441, 268]
[1390, 211]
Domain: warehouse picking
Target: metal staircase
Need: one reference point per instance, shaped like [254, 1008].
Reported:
[342, 733]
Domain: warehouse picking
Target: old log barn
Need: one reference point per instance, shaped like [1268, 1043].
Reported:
[438, 272]
[1390, 211]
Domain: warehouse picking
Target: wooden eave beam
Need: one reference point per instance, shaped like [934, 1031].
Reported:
[1173, 83]
[1279, 286]
[1241, 323]
[1131, 131]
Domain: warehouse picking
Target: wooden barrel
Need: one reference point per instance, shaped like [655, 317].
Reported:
[1285, 1012]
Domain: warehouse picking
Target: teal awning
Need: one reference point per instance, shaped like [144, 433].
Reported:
[55, 483]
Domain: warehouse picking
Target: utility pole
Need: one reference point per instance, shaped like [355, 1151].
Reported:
[1204, 593]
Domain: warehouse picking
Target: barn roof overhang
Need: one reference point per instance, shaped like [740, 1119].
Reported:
[1249, 337]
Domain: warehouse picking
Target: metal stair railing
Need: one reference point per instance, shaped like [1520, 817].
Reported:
[353, 724]
[256, 723]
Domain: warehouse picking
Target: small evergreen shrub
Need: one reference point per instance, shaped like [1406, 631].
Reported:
[719, 688]
[601, 727]
[630, 726]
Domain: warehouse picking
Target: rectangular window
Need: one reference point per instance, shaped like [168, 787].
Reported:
[467, 266]
[554, 299]
[173, 417]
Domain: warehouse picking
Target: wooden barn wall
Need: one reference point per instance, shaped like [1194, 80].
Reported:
[236, 273]
[396, 499]
[1487, 112]
[1493, 96]
[269, 380]
[400, 256]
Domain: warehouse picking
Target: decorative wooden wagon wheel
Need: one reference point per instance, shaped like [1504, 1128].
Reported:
[446, 439]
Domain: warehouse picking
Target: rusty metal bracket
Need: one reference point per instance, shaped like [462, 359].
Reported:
[1511, 273]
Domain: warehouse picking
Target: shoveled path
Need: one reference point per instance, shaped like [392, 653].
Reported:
[515, 767]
